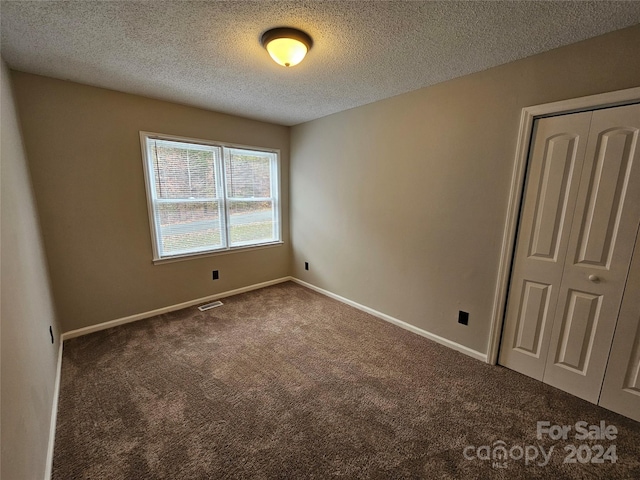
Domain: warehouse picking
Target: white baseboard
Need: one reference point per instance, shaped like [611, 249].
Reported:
[383, 316]
[141, 316]
[54, 415]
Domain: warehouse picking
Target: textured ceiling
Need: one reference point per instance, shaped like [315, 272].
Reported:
[208, 54]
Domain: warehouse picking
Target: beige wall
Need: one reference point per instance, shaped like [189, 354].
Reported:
[84, 153]
[400, 205]
[29, 359]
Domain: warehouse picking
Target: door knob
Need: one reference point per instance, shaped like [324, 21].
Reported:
[594, 278]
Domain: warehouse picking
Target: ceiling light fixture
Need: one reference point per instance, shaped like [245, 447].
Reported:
[287, 46]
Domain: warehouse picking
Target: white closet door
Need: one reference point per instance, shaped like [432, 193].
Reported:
[621, 388]
[601, 242]
[555, 164]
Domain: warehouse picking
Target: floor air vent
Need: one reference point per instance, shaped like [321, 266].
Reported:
[209, 306]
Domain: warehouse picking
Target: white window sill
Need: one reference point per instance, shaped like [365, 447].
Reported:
[194, 256]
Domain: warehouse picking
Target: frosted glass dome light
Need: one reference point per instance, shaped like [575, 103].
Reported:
[287, 46]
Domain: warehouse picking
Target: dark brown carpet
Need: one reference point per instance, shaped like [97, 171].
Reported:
[285, 383]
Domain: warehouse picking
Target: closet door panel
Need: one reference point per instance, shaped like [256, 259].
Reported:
[601, 242]
[555, 163]
[621, 388]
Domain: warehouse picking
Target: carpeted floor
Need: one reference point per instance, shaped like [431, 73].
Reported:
[286, 383]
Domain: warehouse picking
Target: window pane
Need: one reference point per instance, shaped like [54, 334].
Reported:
[251, 222]
[184, 170]
[189, 227]
[248, 173]
[207, 197]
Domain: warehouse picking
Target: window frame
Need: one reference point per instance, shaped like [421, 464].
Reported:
[224, 151]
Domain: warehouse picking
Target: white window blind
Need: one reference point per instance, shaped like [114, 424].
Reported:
[206, 197]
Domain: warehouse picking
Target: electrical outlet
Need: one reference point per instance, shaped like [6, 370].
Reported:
[463, 317]
[306, 265]
[215, 275]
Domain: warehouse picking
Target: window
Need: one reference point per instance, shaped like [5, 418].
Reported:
[209, 197]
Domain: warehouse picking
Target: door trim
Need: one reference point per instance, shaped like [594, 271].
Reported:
[527, 117]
